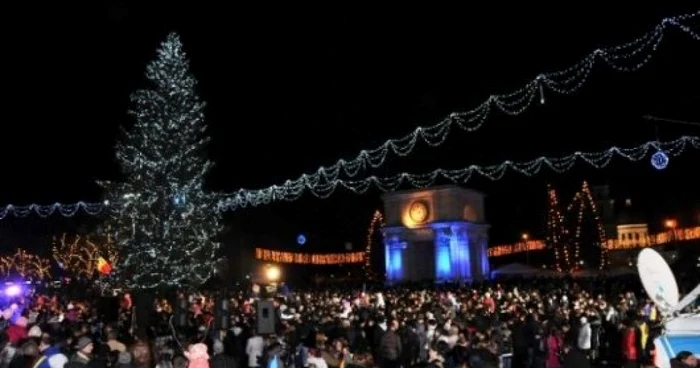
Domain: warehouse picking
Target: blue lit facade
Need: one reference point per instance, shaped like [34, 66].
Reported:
[450, 245]
[458, 251]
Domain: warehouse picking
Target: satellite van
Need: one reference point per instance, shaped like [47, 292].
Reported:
[681, 331]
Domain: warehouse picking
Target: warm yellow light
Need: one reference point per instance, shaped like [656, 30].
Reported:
[525, 236]
[272, 273]
[670, 224]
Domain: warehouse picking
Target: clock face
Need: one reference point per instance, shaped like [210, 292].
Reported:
[418, 211]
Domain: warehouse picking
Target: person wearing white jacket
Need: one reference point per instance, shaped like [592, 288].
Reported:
[254, 349]
[584, 336]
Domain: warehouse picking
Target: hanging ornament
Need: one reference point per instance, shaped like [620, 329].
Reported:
[180, 199]
[659, 160]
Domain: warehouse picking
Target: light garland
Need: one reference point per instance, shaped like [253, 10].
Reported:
[268, 255]
[523, 246]
[323, 188]
[28, 266]
[63, 209]
[666, 237]
[291, 191]
[565, 82]
[79, 255]
[376, 223]
[555, 222]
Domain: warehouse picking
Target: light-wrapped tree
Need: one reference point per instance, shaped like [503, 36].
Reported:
[166, 224]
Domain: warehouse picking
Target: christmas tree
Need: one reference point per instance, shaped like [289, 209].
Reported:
[166, 225]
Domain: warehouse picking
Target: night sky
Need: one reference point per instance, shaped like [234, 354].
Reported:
[291, 89]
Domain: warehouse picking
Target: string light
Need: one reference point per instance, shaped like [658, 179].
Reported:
[554, 227]
[687, 234]
[567, 81]
[523, 246]
[600, 228]
[627, 57]
[63, 209]
[28, 266]
[268, 255]
[377, 222]
[323, 188]
[79, 254]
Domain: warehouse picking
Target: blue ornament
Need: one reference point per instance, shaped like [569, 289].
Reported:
[659, 160]
[179, 199]
[301, 239]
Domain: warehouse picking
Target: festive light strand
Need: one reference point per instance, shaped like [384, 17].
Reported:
[269, 255]
[79, 255]
[376, 224]
[63, 209]
[28, 266]
[627, 57]
[326, 186]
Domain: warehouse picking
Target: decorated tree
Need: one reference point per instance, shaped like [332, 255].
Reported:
[26, 265]
[166, 224]
[81, 255]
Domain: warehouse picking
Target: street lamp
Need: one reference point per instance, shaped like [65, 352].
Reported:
[525, 237]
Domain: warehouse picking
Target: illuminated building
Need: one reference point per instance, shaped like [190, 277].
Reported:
[435, 234]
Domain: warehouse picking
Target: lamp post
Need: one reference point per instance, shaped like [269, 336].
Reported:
[525, 237]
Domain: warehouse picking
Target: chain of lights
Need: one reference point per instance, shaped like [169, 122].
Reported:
[666, 237]
[376, 223]
[558, 233]
[63, 209]
[555, 223]
[600, 228]
[521, 246]
[627, 57]
[79, 255]
[268, 255]
[26, 265]
[326, 186]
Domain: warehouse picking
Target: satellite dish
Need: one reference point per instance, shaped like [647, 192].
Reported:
[658, 280]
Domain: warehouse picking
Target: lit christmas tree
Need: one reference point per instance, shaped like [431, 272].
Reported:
[166, 225]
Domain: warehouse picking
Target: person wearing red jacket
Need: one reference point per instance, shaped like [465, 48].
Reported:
[18, 331]
[629, 347]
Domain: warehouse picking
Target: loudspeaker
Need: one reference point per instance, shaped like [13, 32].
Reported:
[143, 312]
[265, 317]
[181, 311]
[108, 308]
[222, 313]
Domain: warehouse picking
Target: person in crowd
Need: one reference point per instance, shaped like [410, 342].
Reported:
[684, 359]
[197, 356]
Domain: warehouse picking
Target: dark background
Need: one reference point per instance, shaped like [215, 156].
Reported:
[292, 89]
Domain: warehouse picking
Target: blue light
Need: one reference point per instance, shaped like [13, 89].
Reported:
[179, 199]
[659, 160]
[301, 239]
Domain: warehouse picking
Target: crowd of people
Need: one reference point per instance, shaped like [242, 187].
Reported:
[538, 324]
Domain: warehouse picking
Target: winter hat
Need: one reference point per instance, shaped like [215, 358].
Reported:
[124, 358]
[218, 347]
[197, 351]
[35, 331]
[83, 342]
[57, 361]
[21, 322]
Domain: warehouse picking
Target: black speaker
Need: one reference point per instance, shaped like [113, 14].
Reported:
[181, 311]
[143, 311]
[222, 314]
[266, 317]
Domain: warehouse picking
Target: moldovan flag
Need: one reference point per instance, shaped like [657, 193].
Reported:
[103, 266]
